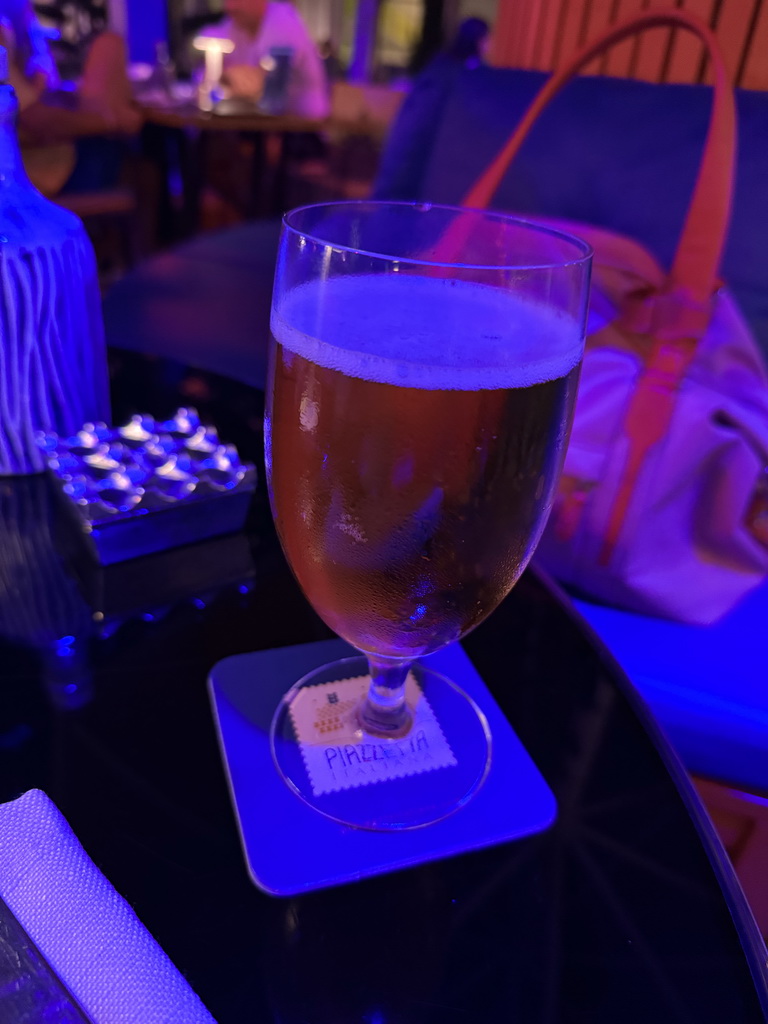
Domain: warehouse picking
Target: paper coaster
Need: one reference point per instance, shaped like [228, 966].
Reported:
[289, 848]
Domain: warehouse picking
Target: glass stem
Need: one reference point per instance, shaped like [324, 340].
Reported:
[384, 711]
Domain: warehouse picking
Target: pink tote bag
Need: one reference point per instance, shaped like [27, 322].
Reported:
[663, 503]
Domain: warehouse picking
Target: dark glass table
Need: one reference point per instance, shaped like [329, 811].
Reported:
[625, 911]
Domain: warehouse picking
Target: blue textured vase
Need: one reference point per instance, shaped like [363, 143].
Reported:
[53, 370]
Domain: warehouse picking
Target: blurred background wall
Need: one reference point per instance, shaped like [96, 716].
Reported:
[535, 33]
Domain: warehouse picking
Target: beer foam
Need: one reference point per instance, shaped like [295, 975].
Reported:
[426, 332]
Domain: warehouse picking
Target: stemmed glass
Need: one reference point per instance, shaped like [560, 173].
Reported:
[424, 366]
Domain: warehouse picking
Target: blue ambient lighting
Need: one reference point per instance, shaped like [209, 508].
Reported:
[706, 685]
[63, 647]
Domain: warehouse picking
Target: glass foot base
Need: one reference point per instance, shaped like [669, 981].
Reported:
[329, 761]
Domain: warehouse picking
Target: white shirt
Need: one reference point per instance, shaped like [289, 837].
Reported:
[282, 26]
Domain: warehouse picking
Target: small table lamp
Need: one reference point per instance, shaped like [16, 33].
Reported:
[214, 50]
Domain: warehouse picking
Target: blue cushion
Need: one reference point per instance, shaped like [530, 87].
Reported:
[612, 152]
[707, 685]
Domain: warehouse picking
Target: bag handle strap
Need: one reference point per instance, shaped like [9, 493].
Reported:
[695, 267]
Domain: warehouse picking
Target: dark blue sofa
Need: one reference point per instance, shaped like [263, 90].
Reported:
[622, 155]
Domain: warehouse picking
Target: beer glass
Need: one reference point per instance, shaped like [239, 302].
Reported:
[423, 372]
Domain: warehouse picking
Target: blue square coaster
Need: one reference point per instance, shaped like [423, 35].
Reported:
[289, 848]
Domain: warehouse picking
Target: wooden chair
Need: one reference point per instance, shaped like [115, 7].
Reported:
[113, 212]
[111, 215]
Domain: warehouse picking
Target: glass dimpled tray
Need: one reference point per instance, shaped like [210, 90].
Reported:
[149, 485]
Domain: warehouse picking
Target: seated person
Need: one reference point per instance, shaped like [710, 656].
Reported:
[256, 27]
[471, 42]
[67, 134]
[468, 48]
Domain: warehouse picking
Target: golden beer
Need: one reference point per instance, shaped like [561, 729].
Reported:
[409, 482]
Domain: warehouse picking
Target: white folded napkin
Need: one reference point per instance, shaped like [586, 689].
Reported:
[87, 932]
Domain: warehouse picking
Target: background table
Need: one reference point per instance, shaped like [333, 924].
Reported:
[625, 911]
[182, 146]
[234, 118]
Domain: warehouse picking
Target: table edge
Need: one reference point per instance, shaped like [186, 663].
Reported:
[741, 913]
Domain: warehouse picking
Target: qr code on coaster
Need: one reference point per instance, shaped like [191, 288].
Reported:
[337, 756]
